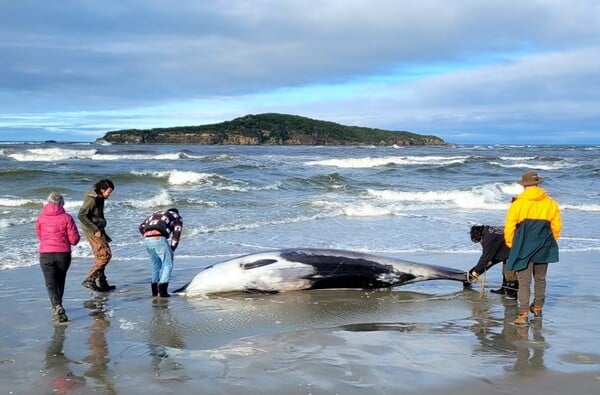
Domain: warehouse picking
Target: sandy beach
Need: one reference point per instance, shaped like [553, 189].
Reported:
[430, 337]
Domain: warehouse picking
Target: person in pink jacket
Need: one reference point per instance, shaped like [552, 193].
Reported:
[57, 232]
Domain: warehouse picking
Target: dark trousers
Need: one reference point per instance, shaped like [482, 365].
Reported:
[54, 267]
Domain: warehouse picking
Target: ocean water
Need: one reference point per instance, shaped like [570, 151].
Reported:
[240, 199]
[414, 203]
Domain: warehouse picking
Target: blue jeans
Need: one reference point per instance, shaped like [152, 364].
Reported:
[161, 256]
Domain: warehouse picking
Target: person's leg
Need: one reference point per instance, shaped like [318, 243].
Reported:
[524, 278]
[106, 255]
[510, 276]
[161, 256]
[167, 264]
[539, 288]
[165, 253]
[502, 290]
[524, 294]
[102, 283]
[48, 267]
[63, 262]
[102, 255]
[153, 247]
[512, 283]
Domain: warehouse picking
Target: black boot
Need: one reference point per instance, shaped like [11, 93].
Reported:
[512, 289]
[91, 284]
[502, 289]
[162, 290]
[154, 289]
[102, 284]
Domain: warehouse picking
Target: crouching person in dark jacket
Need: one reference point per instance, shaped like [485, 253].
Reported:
[494, 250]
[161, 231]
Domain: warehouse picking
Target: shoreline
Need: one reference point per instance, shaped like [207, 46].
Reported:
[429, 338]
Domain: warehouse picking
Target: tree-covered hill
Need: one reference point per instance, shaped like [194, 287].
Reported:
[273, 129]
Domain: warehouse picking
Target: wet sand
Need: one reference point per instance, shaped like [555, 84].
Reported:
[432, 337]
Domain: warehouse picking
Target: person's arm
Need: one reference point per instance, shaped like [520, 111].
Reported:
[556, 223]
[84, 214]
[72, 232]
[38, 229]
[177, 228]
[490, 244]
[510, 224]
[142, 226]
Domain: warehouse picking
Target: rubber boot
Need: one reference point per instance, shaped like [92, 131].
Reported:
[502, 289]
[512, 289]
[162, 290]
[102, 284]
[91, 284]
[154, 289]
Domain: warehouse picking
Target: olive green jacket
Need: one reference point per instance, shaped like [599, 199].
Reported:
[91, 214]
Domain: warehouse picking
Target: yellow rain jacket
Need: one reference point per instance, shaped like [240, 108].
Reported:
[532, 203]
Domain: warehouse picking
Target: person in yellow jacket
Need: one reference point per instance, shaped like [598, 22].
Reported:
[532, 227]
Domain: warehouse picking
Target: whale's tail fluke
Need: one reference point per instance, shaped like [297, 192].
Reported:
[448, 273]
[413, 272]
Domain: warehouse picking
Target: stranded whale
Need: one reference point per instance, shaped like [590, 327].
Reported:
[312, 268]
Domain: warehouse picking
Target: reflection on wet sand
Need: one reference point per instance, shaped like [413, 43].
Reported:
[530, 352]
[229, 316]
[57, 364]
[165, 332]
[499, 336]
[98, 346]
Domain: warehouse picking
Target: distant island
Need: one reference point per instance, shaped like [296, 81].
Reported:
[269, 129]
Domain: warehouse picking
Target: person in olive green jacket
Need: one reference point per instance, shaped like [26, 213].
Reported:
[93, 224]
[532, 227]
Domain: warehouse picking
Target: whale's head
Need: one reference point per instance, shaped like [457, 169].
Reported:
[264, 272]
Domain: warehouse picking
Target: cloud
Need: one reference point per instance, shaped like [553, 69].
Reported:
[531, 95]
[455, 69]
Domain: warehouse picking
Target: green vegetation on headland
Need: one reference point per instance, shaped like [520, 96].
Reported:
[270, 129]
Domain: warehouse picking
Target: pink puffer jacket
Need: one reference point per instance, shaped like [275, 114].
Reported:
[56, 229]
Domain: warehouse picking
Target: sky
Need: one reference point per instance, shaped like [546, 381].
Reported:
[468, 71]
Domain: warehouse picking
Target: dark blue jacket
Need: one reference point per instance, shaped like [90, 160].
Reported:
[533, 242]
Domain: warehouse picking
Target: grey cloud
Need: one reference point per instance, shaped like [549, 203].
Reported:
[102, 55]
[528, 100]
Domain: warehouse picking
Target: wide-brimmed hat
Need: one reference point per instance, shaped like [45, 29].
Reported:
[530, 178]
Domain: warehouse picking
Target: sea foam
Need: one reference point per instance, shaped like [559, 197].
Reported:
[486, 197]
[369, 162]
[51, 154]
